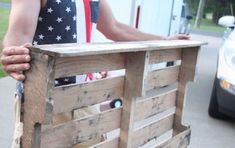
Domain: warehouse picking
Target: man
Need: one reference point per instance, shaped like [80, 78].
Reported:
[26, 27]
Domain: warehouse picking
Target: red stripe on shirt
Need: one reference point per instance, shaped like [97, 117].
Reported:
[88, 20]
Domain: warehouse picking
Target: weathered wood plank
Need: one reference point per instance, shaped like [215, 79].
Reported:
[155, 104]
[88, 143]
[165, 55]
[153, 130]
[113, 143]
[78, 131]
[181, 140]
[73, 97]
[37, 103]
[86, 64]
[187, 72]
[163, 77]
[73, 50]
[136, 71]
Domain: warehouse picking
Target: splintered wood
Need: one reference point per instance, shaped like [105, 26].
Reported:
[152, 94]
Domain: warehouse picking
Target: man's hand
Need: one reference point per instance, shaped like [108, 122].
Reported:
[15, 60]
[178, 37]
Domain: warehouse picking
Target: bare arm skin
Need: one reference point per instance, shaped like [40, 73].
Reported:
[117, 31]
[21, 29]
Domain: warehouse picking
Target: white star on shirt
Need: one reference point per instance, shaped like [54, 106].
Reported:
[49, 10]
[59, 19]
[68, 9]
[50, 28]
[73, 0]
[74, 18]
[74, 36]
[40, 19]
[35, 42]
[67, 28]
[58, 37]
[41, 36]
[58, 1]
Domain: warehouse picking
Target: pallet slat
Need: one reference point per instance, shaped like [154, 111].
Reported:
[37, 105]
[113, 143]
[78, 131]
[163, 77]
[180, 140]
[155, 104]
[74, 97]
[135, 82]
[145, 134]
[87, 64]
[164, 56]
[187, 73]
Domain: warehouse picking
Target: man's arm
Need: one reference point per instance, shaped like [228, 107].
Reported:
[22, 25]
[117, 31]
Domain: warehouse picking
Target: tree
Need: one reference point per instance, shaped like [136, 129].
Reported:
[200, 13]
[218, 8]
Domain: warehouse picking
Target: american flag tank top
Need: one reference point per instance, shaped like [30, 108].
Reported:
[66, 21]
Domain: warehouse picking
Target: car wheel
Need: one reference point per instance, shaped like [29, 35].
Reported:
[213, 106]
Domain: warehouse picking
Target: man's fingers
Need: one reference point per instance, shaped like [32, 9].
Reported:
[14, 59]
[15, 51]
[27, 45]
[17, 76]
[18, 68]
[183, 37]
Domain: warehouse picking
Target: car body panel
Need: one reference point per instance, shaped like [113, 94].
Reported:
[225, 97]
[226, 100]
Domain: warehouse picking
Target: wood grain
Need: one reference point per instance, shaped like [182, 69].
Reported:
[163, 77]
[136, 71]
[160, 56]
[153, 130]
[73, 50]
[187, 73]
[155, 104]
[181, 140]
[68, 98]
[87, 64]
[37, 104]
[78, 131]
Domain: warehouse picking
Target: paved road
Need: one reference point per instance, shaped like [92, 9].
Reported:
[206, 132]
[207, 33]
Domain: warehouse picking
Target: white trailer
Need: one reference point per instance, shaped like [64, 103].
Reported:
[152, 16]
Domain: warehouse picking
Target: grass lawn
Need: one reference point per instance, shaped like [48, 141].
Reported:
[5, 1]
[209, 25]
[4, 13]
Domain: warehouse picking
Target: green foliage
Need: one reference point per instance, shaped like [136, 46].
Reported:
[4, 13]
[217, 7]
[193, 5]
[2, 73]
[5, 1]
[210, 26]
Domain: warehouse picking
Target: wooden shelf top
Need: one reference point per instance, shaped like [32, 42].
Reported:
[72, 50]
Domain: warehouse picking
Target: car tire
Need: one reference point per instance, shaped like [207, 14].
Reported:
[213, 106]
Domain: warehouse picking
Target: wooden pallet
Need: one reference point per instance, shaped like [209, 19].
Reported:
[153, 99]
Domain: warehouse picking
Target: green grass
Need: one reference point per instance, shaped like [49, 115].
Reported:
[4, 13]
[5, 1]
[209, 25]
